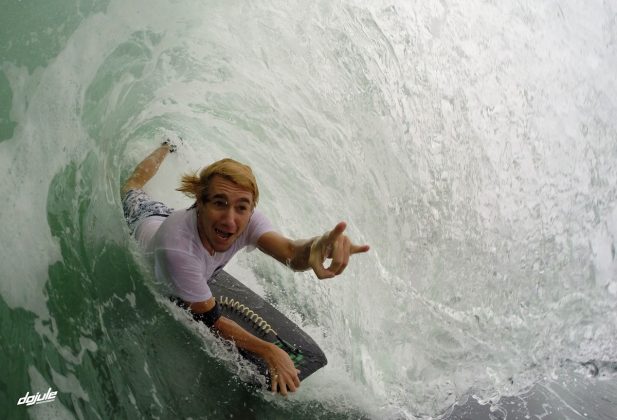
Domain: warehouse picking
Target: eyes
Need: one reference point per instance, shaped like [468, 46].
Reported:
[221, 204]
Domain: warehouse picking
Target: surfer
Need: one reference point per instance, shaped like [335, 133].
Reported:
[188, 247]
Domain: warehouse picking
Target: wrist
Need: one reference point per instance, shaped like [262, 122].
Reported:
[265, 349]
[268, 353]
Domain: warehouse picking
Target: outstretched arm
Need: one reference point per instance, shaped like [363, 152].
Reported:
[146, 169]
[311, 253]
[284, 375]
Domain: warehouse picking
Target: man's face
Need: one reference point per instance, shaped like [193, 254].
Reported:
[225, 215]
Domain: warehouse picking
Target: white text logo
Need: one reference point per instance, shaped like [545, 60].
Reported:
[28, 399]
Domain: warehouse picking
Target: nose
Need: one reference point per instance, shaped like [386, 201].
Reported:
[228, 218]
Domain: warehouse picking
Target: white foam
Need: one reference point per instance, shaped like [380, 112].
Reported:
[475, 160]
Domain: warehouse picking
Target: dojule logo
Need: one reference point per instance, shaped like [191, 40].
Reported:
[28, 399]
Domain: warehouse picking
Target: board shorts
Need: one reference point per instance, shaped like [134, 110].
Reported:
[138, 205]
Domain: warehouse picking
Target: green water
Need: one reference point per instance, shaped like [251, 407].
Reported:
[478, 163]
[105, 343]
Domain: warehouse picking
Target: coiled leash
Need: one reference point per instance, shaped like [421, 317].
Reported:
[252, 318]
[261, 325]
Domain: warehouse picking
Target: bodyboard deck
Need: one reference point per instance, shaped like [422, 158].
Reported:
[253, 313]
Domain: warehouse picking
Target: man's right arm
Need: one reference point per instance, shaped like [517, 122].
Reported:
[284, 374]
[186, 272]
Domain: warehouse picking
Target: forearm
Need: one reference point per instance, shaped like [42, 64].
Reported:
[284, 375]
[242, 338]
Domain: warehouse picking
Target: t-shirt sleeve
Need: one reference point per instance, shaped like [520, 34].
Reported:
[185, 272]
[258, 225]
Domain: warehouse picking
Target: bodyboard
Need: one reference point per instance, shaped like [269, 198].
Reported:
[254, 314]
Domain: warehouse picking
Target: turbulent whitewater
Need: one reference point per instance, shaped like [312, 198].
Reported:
[472, 145]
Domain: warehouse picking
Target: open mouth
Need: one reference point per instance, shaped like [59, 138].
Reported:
[222, 234]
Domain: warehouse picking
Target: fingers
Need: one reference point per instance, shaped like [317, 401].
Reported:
[358, 249]
[278, 383]
[284, 385]
[316, 259]
[284, 380]
[297, 379]
[336, 234]
[321, 272]
[337, 231]
[340, 255]
[274, 380]
[335, 245]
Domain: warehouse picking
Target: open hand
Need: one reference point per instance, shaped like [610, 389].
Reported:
[333, 244]
[283, 373]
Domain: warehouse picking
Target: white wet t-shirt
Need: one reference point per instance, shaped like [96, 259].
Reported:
[180, 259]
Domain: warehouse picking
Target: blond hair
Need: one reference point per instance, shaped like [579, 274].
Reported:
[196, 186]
